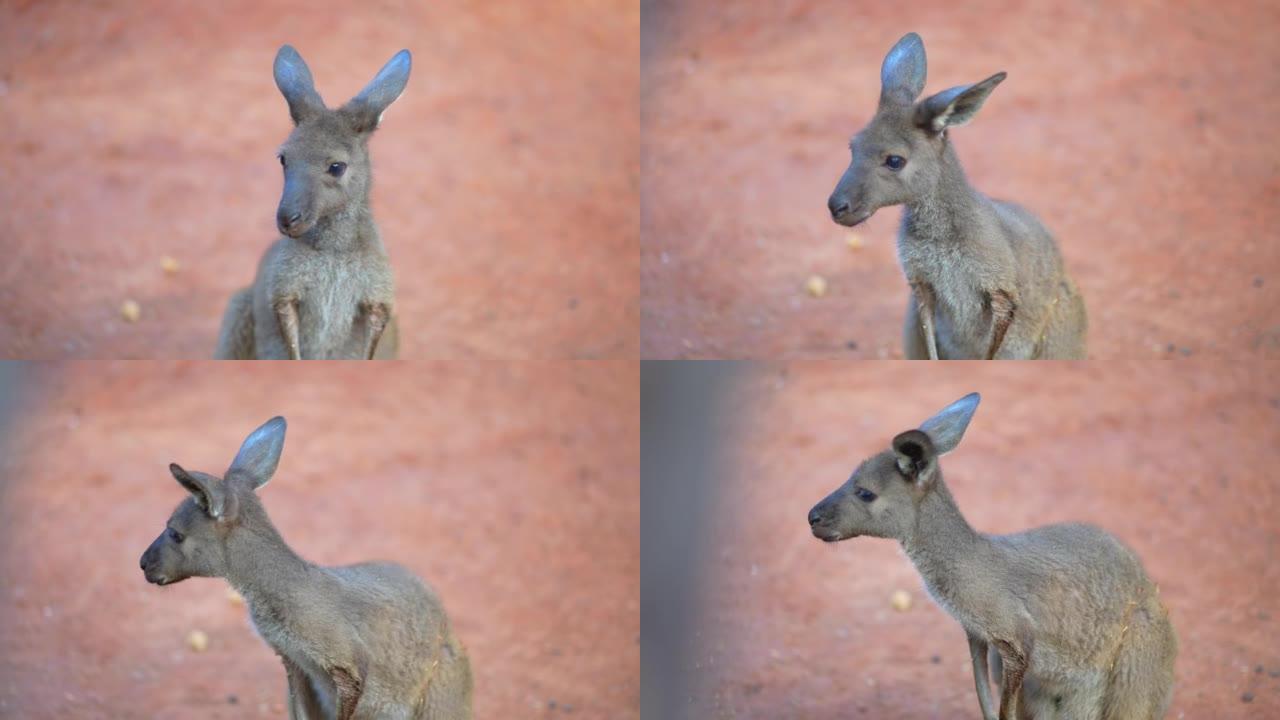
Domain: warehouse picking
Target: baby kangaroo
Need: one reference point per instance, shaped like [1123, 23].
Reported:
[986, 277]
[1074, 627]
[323, 290]
[358, 641]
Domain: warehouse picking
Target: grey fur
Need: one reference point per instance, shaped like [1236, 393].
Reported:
[986, 277]
[323, 290]
[357, 641]
[1063, 617]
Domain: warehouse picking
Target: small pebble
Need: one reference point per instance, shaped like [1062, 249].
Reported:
[198, 640]
[1247, 697]
[1257, 282]
[130, 310]
[232, 700]
[936, 659]
[816, 286]
[169, 265]
[900, 600]
[851, 345]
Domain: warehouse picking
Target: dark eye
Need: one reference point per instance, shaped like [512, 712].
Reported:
[895, 162]
[175, 536]
[337, 169]
[864, 495]
[281, 160]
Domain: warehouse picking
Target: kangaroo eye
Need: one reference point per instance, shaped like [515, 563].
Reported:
[337, 169]
[281, 156]
[176, 536]
[864, 495]
[895, 162]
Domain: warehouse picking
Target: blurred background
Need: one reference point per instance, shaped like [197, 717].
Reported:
[1130, 128]
[140, 167]
[1178, 460]
[511, 488]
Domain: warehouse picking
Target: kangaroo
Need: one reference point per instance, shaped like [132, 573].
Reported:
[986, 278]
[324, 289]
[357, 641]
[1073, 626]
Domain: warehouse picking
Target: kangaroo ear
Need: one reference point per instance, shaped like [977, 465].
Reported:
[955, 106]
[916, 455]
[260, 453]
[365, 110]
[947, 427]
[293, 77]
[902, 74]
[206, 489]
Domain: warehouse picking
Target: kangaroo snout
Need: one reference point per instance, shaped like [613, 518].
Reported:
[821, 519]
[844, 212]
[289, 221]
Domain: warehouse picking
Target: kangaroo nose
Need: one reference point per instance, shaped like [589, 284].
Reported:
[814, 517]
[837, 206]
[287, 221]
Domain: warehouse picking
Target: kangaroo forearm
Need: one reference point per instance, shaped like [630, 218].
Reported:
[376, 316]
[981, 676]
[1002, 312]
[348, 687]
[287, 316]
[1015, 667]
[925, 303]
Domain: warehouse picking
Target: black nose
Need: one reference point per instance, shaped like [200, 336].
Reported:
[837, 206]
[287, 221]
[814, 517]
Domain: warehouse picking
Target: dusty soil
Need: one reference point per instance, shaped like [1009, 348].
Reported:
[1130, 128]
[1181, 464]
[512, 488]
[506, 174]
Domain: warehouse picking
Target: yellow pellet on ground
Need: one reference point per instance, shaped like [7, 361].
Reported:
[234, 597]
[169, 264]
[901, 600]
[816, 286]
[130, 311]
[198, 640]
[854, 241]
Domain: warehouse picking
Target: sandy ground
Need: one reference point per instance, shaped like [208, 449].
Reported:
[512, 488]
[505, 176]
[1130, 128]
[1179, 463]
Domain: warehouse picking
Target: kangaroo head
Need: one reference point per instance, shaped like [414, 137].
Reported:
[194, 541]
[882, 496]
[897, 157]
[326, 157]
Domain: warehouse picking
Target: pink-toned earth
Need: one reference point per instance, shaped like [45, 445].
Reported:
[1131, 128]
[513, 488]
[505, 177]
[1177, 459]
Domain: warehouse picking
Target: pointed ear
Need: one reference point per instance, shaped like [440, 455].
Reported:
[955, 106]
[916, 455]
[293, 77]
[256, 462]
[903, 72]
[206, 489]
[947, 427]
[365, 110]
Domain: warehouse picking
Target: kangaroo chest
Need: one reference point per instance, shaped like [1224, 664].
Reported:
[956, 277]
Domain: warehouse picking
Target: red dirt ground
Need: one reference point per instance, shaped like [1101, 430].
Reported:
[505, 187]
[1177, 460]
[512, 488]
[1130, 128]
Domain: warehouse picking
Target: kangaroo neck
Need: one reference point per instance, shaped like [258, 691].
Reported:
[264, 569]
[949, 208]
[942, 544]
[349, 229]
